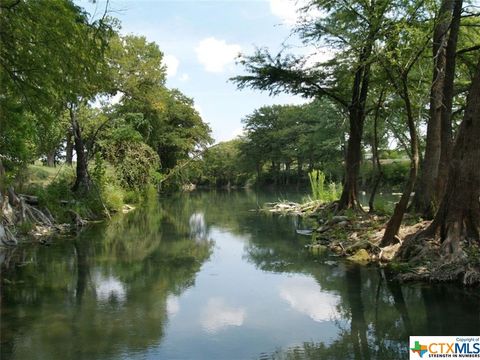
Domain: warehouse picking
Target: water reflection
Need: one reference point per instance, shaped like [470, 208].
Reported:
[218, 315]
[198, 228]
[109, 288]
[304, 295]
[108, 292]
[201, 277]
[173, 306]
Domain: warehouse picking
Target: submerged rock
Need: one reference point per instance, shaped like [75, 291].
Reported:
[360, 257]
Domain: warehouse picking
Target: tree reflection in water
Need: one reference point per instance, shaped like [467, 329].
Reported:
[107, 291]
[110, 292]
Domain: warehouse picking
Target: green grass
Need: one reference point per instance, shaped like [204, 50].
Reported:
[319, 190]
[43, 175]
[52, 186]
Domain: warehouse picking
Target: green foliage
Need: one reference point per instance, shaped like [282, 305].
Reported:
[113, 196]
[167, 121]
[383, 207]
[56, 196]
[317, 184]
[135, 163]
[99, 171]
[221, 165]
[281, 140]
[52, 55]
[25, 227]
[318, 189]
[396, 172]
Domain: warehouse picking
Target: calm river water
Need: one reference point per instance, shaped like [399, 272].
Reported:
[199, 276]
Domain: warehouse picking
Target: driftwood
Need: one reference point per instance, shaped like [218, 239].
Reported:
[294, 208]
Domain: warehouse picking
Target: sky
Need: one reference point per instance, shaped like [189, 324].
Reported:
[200, 40]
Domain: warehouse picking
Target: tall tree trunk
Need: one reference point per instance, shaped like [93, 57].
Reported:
[82, 181]
[393, 225]
[458, 217]
[348, 199]
[51, 158]
[69, 148]
[287, 172]
[375, 157]
[299, 170]
[446, 133]
[424, 201]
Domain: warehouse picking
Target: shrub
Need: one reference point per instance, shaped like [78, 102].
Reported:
[317, 185]
[135, 163]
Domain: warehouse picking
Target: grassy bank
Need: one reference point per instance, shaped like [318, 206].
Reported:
[46, 204]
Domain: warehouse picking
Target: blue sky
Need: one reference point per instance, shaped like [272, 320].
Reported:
[200, 40]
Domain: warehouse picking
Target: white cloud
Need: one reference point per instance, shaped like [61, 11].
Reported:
[215, 54]
[173, 306]
[288, 10]
[217, 315]
[109, 287]
[184, 77]
[171, 62]
[305, 296]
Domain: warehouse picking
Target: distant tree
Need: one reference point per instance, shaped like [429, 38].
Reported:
[351, 30]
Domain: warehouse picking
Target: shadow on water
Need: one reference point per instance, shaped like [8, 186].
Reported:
[112, 291]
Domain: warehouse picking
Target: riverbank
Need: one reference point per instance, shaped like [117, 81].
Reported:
[40, 203]
[23, 219]
[356, 236]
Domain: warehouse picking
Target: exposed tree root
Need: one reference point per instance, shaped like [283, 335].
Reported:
[17, 210]
[418, 252]
[433, 258]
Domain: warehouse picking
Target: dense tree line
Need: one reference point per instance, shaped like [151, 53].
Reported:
[60, 70]
[282, 144]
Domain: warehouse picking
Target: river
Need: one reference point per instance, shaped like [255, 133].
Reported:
[200, 276]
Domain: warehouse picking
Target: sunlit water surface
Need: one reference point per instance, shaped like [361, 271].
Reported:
[200, 276]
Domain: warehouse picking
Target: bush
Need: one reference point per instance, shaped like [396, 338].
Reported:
[135, 163]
